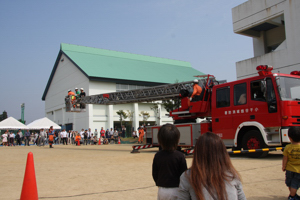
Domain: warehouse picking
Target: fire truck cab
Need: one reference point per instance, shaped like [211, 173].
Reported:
[256, 112]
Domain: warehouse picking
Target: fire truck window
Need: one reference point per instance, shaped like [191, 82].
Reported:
[256, 93]
[240, 94]
[223, 97]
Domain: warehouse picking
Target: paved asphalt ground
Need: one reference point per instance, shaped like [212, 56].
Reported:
[112, 172]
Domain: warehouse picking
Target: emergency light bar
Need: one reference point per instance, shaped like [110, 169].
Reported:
[295, 73]
[264, 70]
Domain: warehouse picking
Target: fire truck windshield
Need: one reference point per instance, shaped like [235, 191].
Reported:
[289, 88]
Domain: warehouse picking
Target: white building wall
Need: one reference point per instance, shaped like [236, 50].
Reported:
[67, 76]
[284, 58]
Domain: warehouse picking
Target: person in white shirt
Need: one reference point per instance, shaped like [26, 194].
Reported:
[89, 136]
[12, 139]
[21, 136]
[4, 140]
[116, 135]
[36, 138]
[81, 133]
[134, 134]
[111, 134]
[64, 136]
[96, 134]
[42, 137]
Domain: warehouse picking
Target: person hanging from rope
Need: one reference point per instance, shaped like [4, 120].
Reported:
[82, 94]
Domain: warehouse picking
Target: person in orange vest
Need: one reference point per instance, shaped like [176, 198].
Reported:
[72, 96]
[51, 136]
[70, 93]
[77, 138]
[141, 135]
[196, 91]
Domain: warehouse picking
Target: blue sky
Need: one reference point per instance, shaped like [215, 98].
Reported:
[199, 32]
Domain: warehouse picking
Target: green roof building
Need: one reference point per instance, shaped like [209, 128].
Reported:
[102, 71]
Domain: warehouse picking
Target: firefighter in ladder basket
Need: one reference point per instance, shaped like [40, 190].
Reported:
[72, 97]
[196, 91]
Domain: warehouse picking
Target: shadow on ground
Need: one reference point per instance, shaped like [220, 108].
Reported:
[268, 198]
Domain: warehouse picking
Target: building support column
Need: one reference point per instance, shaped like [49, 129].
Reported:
[135, 116]
[159, 120]
[90, 114]
[63, 117]
[54, 116]
[110, 116]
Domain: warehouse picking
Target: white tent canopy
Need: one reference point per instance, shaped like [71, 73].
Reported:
[12, 124]
[44, 123]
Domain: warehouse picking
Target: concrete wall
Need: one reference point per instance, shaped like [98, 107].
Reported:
[253, 13]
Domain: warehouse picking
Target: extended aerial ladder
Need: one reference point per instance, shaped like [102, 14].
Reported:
[188, 111]
[157, 93]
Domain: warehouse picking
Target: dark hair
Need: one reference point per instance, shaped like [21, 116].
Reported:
[168, 137]
[294, 133]
[211, 167]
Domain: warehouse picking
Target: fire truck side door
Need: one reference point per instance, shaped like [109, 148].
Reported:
[240, 107]
[221, 113]
[263, 105]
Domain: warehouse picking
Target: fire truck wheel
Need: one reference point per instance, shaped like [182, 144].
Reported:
[254, 140]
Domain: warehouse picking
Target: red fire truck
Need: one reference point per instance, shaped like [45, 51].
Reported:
[251, 113]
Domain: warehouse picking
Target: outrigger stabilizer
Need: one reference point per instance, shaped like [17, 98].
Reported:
[136, 148]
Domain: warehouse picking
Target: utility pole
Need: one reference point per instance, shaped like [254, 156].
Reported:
[22, 112]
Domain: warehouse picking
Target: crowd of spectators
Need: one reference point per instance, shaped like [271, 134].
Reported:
[70, 137]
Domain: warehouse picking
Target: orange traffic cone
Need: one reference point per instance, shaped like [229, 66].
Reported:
[99, 143]
[78, 143]
[29, 189]
[119, 141]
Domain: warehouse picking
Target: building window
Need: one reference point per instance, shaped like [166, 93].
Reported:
[123, 87]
